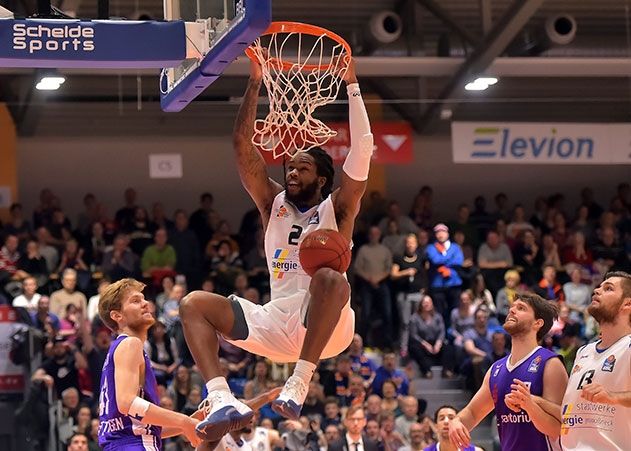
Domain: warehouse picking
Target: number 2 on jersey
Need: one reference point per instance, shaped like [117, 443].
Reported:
[294, 235]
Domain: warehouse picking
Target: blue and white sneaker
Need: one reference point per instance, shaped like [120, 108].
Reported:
[224, 413]
[292, 397]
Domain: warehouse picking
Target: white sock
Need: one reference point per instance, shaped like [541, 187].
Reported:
[217, 383]
[304, 370]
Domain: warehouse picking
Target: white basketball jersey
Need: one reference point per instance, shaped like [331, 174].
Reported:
[285, 231]
[596, 426]
[228, 443]
[260, 440]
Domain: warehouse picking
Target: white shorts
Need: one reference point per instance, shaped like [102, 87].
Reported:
[277, 329]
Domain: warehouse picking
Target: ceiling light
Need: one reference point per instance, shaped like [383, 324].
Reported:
[475, 86]
[50, 81]
[488, 80]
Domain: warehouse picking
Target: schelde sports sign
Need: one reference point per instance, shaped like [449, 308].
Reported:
[540, 143]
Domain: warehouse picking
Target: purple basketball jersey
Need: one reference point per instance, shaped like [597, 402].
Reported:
[516, 431]
[118, 431]
[434, 447]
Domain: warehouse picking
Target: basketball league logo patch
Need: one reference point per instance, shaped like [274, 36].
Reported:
[497, 370]
[534, 365]
[609, 363]
[282, 212]
[315, 219]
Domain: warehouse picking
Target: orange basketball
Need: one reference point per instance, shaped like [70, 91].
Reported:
[324, 248]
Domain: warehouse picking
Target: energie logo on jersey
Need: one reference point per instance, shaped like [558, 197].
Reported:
[284, 261]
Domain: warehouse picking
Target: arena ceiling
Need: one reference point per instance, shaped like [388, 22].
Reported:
[585, 80]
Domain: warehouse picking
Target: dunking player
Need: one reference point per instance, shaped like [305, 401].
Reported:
[130, 418]
[307, 318]
[519, 384]
[597, 403]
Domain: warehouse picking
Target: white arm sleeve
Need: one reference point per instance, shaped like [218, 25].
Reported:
[357, 162]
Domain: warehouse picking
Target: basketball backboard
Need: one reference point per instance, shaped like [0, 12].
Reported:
[217, 32]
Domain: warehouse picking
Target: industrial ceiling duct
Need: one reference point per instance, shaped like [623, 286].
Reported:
[560, 29]
[385, 27]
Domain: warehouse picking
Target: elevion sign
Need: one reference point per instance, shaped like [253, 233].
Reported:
[541, 143]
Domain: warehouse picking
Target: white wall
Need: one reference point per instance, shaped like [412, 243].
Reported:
[106, 166]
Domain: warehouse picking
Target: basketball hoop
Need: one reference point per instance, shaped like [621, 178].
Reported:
[303, 67]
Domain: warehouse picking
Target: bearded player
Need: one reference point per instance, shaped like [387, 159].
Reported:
[517, 385]
[308, 318]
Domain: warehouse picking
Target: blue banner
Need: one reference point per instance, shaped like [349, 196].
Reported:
[74, 43]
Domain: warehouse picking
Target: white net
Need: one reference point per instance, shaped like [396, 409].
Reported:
[301, 72]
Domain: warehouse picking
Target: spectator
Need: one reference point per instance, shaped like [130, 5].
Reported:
[50, 253]
[45, 321]
[445, 258]
[568, 346]
[94, 246]
[224, 267]
[29, 299]
[480, 218]
[158, 259]
[125, 215]
[373, 432]
[337, 384]
[416, 438]
[93, 302]
[161, 349]
[391, 438]
[43, 213]
[139, 231]
[529, 256]
[332, 414]
[17, 225]
[402, 424]
[90, 215]
[360, 363]
[427, 339]
[72, 258]
[550, 252]
[479, 349]
[390, 400]
[494, 258]
[60, 299]
[548, 287]
[559, 231]
[186, 246]
[32, 263]
[393, 239]
[119, 262]
[261, 381]
[587, 200]
[314, 402]
[84, 417]
[388, 370]
[462, 224]
[405, 223]
[577, 296]
[467, 269]
[95, 350]
[518, 225]
[421, 211]
[78, 442]
[462, 318]
[577, 253]
[332, 434]
[181, 387]
[172, 306]
[406, 274]
[608, 253]
[482, 296]
[372, 265]
[501, 207]
[506, 295]
[373, 408]
[9, 272]
[167, 283]
[159, 218]
[354, 439]
[357, 389]
[64, 365]
[60, 229]
[582, 223]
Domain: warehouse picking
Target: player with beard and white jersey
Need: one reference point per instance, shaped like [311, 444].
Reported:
[596, 408]
[308, 318]
[520, 387]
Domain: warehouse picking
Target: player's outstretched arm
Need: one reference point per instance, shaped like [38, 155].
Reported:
[554, 385]
[250, 162]
[468, 418]
[348, 196]
[128, 359]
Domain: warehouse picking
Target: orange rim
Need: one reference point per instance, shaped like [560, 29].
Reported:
[297, 27]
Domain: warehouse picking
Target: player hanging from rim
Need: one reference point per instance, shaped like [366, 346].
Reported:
[130, 417]
[307, 318]
[521, 386]
[597, 402]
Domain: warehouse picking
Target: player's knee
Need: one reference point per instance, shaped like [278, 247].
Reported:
[189, 305]
[330, 283]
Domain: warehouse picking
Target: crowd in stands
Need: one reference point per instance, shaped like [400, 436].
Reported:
[429, 292]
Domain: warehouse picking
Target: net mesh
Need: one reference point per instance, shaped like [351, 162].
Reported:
[301, 73]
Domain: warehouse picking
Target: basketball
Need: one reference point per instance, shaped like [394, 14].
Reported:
[325, 248]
